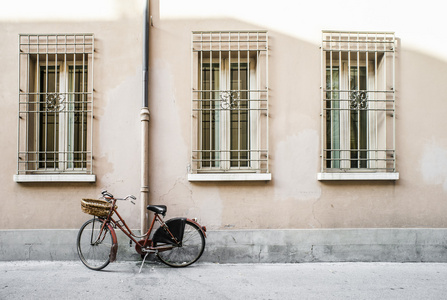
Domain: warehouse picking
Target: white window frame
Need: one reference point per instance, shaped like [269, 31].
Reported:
[346, 50]
[226, 49]
[65, 53]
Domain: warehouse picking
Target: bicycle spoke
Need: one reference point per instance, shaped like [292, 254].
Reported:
[94, 245]
[190, 251]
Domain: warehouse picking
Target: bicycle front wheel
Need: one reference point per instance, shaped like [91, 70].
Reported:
[94, 246]
[189, 252]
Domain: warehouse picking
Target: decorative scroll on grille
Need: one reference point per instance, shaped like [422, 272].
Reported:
[55, 102]
[230, 100]
[359, 100]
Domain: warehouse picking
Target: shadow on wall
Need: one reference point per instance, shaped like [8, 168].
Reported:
[171, 57]
[294, 140]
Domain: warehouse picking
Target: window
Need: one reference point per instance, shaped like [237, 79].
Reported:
[358, 105]
[55, 107]
[229, 104]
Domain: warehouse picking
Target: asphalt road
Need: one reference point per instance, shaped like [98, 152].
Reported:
[71, 280]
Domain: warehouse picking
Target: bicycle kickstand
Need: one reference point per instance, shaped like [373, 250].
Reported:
[144, 259]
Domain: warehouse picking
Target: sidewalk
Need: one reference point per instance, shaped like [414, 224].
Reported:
[71, 280]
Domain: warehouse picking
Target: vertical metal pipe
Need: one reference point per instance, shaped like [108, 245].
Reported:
[146, 55]
[144, 118]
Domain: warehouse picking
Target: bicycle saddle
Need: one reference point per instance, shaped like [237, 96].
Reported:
[158, 209]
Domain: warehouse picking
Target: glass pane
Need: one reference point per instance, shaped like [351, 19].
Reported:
[210, 115]
[333, 118]
[77, 117]
[358, 121]
[239, 140]
[48, 117]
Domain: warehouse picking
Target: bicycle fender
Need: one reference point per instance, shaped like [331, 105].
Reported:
[114, 248]
[202, 228]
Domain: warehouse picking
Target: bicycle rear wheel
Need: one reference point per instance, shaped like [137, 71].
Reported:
[192, 247]
[94, 246]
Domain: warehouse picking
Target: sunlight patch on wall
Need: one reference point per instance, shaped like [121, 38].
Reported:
[57, 10]
[420, 27]
[290, 180]
[433, 165]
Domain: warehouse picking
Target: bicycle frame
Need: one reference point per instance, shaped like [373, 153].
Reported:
[177, 242]
[144, 244]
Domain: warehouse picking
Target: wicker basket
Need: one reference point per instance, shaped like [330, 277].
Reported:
[99, 208]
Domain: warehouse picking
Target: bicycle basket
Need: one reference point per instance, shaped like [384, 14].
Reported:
[95, 207]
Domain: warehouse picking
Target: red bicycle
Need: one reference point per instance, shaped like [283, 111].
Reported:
[178, 242]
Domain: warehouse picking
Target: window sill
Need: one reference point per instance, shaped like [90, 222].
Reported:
[230, 177]
[357, 176]
[55, 178]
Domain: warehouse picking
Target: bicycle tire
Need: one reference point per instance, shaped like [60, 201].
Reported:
[193, 245]
[94, 255]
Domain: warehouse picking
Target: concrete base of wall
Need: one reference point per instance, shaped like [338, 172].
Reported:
[256, 246]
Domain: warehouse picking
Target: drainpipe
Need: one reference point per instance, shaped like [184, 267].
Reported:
[144, 118]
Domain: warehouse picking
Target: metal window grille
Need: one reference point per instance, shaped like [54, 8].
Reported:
[358, 101]
[55, 103]
[229, 101]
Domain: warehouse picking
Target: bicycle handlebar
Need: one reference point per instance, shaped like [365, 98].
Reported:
[109, 197]
[132, 197]
[106, 194]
